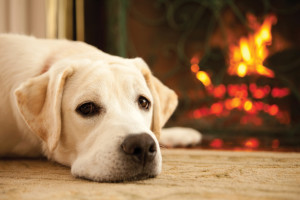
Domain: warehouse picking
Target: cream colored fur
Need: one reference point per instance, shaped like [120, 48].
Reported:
[43, 81]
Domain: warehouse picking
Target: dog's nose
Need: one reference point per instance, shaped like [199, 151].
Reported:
[141, 147]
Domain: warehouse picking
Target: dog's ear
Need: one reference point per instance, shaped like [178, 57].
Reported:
[165, 99]
[39, 102]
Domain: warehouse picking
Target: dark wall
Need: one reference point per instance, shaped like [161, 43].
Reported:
[95, 23]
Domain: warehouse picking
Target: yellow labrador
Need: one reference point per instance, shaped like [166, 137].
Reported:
[99, 114]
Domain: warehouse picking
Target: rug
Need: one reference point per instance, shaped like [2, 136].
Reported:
[186, 174]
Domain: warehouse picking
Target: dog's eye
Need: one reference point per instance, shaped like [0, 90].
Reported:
[144, 103]
[88, 109]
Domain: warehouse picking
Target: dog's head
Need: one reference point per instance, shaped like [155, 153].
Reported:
[103, 118]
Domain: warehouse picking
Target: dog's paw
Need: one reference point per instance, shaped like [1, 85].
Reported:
[179, 137]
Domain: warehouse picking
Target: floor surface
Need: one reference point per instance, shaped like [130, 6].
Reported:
[187, 174]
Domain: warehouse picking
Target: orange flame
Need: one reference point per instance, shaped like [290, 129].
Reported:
[248, 57]
[245, 59]
[204, 78]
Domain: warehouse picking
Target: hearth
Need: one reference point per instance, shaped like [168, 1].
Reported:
[235, 65]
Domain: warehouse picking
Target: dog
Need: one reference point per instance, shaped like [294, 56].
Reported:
[100, 114]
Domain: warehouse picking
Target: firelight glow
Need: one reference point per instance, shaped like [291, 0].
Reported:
[248, 105]
[245, 50]
[204, 78]
[252, 143]
[248, 57]
[195, 68]
[242, 70]
[244, 59]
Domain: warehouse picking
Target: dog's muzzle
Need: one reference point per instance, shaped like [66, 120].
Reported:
[141, 148]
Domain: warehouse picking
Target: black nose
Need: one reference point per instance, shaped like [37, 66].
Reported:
[141, 147]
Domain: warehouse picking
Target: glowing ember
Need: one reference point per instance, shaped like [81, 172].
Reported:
[216, 108]
[236, 102]
[273, 109]
[275, 144]
[204, 78]
[219, 91]
[195, 68]
[252, 143]
[248, 57]
[259, 92]
[280, 92]
[195, 60]
[216, 143]
[248, 105]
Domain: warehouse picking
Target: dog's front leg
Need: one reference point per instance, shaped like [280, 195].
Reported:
[179, 137]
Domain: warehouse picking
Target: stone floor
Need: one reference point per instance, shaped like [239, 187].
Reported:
[187, 174]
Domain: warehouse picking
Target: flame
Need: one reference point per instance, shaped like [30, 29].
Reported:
[244, 59]
[245, 50]
[248, 57]
[242, 70]
[204, 78]
[200, 75]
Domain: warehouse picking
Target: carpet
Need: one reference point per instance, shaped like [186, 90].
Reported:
[187, 174]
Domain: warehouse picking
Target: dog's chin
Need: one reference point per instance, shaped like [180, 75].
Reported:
[119, 178]
[115, 175]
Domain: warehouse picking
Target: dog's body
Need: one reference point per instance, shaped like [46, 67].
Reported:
[68, 101]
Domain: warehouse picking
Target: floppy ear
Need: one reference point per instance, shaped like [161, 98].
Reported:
[39, 102]
[165, 99]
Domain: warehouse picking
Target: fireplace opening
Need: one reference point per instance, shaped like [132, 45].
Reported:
[251, 103]
[235, 66]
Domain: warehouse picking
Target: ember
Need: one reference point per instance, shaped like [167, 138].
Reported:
[252, 143]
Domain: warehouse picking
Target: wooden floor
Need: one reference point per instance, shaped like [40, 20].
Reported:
[187, 174]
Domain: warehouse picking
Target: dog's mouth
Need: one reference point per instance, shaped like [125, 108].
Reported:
[118, 167]
[139, 177]
[120, 178]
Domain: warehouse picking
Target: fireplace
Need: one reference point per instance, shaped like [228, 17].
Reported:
[234, 64]
[250, 103]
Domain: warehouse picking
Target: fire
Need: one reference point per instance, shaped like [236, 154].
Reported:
[216, 108]
[252, 143]
[245, 50]
[216, 143]
[248, 57]
[244, 98]
[204, 78]
[248, 105]
[245, 59]
[242, 70]
[195, 68]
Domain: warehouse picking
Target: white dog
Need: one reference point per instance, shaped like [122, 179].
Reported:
[100, 114]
